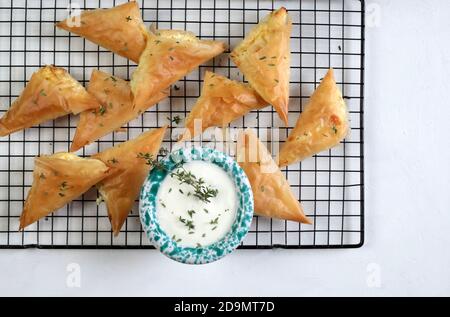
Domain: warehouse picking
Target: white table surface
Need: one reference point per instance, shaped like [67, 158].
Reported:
[407, 123]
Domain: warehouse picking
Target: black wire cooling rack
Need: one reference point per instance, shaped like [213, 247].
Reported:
[330, 185]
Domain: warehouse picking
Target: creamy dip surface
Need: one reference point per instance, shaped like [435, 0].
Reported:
[196, 204]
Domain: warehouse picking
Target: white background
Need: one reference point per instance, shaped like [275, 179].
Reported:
[407, 150]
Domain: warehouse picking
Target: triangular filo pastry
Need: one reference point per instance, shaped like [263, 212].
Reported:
[115, 110]
[119, 29]
[129, 163]
[322, 125]
[271, 191]
[221, 101]
[50, 93]
[169, 56]
[264, 58]
[57, 180]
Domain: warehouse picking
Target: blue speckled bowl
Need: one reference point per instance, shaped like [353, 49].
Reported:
[212, 252]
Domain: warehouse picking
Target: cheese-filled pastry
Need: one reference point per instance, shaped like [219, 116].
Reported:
[119, 29]
[168, 56]
[57, 180]
[322, 125]
[115, 110]
[130, 163]
[264, 58]
[221, 101]
[50, 93]
[271, 191]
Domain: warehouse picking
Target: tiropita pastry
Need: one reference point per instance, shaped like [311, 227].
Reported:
[50, 93]
[221, 101]
[115, 110]
[264, 58]
[322, 125]
[119, 29]
[168, 56]
[271, 191]
[130, 163]
[57, 180]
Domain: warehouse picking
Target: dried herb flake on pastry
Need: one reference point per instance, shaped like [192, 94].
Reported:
[115, 110]
[264, 58]
[221, 101]
[119, 29]
[57, 180]
[130, 163]
[271, 191]
[169, 56]
[321, 126]
[50, 93]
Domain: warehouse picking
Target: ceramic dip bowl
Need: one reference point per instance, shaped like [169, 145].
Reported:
[169, 244]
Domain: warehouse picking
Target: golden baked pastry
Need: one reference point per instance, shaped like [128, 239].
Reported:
[50, 93]
[168, 56]
[271, 191]
[115, 110]
[119, 29]
[322, 125]
[221, 101]
[130, 163]
[57, 180]
[264, 58]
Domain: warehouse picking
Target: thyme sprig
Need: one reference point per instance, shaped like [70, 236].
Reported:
[201, 190]
[151, 160]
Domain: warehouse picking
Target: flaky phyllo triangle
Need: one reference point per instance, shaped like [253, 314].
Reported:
[221, 101]
[322, 125]
[50, 93]
[129, 164]
[271, 191]
[119, 29]
[115, 110]
[57, 180]
[169, 56]
[264, 58]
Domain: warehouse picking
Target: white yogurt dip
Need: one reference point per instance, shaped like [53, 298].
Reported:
[196, 204]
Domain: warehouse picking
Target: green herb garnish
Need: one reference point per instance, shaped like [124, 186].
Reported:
[151, 160]
[201, 190]
[175, 119]
[102, 110]
[215, 221]
[174, 238]
[188, 223]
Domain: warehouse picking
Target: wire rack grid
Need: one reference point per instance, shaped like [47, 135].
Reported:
[330, 185]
